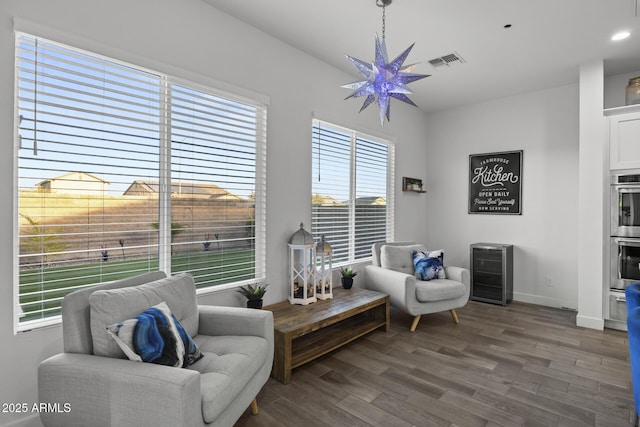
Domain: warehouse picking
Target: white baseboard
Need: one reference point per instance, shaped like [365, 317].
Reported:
[32, 420]
[540, 300]
[590, 322]
[582, 321]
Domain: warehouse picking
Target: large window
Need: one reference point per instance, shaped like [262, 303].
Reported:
[122, 170]
[352, 190]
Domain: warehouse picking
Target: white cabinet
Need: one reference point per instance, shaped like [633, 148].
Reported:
[624, 138]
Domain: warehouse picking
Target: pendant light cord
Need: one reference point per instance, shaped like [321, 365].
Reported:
[384, 18]
[383, 4]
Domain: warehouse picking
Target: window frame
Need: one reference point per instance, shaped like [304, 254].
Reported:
[163, 164]
[356, 135]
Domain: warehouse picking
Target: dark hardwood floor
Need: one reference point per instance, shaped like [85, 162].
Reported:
[520, 365]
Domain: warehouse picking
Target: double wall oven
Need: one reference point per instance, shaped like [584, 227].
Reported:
[625, 240]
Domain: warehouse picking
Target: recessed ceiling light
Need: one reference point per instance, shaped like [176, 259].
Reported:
[620, 36]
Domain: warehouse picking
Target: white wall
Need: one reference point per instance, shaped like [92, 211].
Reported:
[545, 125]
[189, 39]
[592, 175]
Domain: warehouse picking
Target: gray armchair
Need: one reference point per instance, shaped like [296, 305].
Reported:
[392, 273]
[102, 390]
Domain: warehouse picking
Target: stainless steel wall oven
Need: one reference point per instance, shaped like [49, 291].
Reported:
[625, 205]
[625, 262]
[625, 243]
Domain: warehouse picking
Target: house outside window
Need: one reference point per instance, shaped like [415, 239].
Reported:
[352, 190]
[122, 170]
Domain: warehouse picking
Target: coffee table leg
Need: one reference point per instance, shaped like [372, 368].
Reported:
[387, 315]
[281, 358]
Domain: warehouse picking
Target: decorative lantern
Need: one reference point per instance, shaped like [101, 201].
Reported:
[324, 290]
[302, 267]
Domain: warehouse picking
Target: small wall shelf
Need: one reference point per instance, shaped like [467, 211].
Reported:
[412, 184]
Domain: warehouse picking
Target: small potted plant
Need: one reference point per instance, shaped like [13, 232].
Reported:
[254, 294]
[347, 277]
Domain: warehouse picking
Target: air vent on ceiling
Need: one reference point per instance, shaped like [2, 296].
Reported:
[447, 60]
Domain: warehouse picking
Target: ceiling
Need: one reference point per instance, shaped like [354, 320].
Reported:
[547, 42]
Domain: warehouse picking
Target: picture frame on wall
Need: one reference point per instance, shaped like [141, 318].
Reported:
[495, 183]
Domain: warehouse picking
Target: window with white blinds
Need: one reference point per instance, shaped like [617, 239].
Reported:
[122, 170]
[352, 190]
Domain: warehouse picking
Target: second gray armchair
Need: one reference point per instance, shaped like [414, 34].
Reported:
[392, 272]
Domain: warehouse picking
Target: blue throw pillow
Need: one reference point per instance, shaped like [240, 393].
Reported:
[156, 340]
[156, 336]
[191, 351]
[429, 265]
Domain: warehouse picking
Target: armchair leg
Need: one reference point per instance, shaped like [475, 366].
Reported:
[254, 407]
[454, 315]
[414, 325]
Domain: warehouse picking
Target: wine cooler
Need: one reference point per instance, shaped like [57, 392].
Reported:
[492, 273]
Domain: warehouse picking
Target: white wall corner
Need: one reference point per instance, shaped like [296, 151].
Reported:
[591, 200]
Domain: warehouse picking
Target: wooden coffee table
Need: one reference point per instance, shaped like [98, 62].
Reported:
[305, 332]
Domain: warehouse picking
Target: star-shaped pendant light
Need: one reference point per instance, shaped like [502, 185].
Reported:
[383, 79]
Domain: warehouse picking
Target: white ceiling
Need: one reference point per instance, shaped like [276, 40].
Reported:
[547, 41]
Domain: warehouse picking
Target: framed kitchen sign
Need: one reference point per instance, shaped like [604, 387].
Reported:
[495, 183]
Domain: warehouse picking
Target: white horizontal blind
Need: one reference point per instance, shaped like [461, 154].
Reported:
[371, 194]
[90, 137]
[351, 190]
[213, 169]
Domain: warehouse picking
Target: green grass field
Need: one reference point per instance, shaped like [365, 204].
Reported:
[42, 289]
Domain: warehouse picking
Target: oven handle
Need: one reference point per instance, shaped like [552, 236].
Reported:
[635, 242]
[619, 263]
[630, 241]
[626, 188]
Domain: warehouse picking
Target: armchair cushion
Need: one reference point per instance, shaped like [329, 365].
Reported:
[76, 313]
[108, 307]
[228, 364]
[399, 258]
[439, 290]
